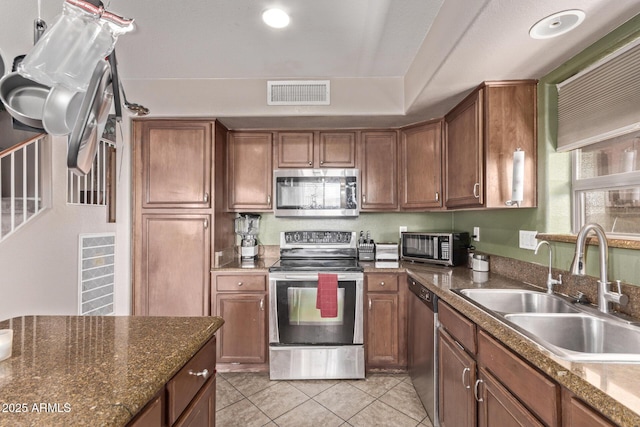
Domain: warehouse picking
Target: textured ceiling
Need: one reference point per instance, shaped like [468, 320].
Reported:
[391, 62]
[227, 39]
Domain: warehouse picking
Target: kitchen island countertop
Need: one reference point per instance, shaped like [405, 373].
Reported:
[93, 370]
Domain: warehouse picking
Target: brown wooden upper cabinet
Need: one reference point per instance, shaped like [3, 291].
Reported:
[249, 171]
[421, 166]
[378, 164]
[316, 149]
[482, 132]
[176, 164]
[178, 222]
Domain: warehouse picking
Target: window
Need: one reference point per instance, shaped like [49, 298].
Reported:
[606, 185]
[599, 119]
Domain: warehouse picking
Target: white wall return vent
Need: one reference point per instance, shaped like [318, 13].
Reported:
[298, 92]
[96, 274]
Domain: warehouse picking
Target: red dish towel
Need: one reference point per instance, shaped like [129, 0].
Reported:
[327, 299]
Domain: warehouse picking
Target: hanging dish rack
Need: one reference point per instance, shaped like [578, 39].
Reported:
[67, 88]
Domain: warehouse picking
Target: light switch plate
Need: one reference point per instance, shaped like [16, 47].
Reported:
[528, 240]
[476, 234]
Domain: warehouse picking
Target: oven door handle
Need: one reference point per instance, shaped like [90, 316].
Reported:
[314, 277]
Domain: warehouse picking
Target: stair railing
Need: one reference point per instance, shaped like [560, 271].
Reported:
[23, 187]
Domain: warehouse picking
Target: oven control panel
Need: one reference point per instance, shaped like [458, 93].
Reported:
[318, 237]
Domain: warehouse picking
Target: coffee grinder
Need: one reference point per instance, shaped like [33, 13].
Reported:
[247, 226]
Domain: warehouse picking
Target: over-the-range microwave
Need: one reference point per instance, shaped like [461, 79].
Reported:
[446, 248]
[316, 192]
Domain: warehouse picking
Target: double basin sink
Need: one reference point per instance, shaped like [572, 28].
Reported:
[570, 331]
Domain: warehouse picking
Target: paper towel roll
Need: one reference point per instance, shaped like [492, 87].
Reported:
[517, 183]
[629, 162]
[629, 165]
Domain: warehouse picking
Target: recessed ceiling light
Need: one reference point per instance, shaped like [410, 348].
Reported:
[276, 18]
[557, 24]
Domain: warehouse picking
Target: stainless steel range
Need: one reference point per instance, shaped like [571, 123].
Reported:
[316, 307]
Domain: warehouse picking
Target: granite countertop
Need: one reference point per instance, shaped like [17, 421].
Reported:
[93, 370]
[611, 388]
[263, 264]
[260, 265]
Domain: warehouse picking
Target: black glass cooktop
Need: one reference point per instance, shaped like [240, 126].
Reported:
[318, 265]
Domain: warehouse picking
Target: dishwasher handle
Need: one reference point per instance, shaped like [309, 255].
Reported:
[464, 383]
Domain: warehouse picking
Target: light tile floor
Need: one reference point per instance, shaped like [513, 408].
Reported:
[251, 399]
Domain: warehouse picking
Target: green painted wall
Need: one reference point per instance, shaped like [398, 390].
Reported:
[384, 227]
[499, 229]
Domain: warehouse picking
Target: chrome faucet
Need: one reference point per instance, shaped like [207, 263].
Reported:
[550, 280]
[578, 267]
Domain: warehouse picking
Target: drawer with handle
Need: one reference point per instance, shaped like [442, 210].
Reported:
[242, 283]
[189, 380]
[461, 329]
[379, 282]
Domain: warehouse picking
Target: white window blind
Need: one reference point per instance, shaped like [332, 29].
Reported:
[602, 101]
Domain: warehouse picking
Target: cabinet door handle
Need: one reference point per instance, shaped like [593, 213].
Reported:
[206, 223]
[369, 303]
[322, 162]
[460, 346]
[240, 283]
[381, 283]
[475, 391]
[310, 163]
[262, 304]
[204, 373]
[464, 383]
[206, 197]
[269, 199]
[437, 196]
[364, 199]
[476, 190]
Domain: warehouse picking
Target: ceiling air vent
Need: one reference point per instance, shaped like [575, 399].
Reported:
[298, 92]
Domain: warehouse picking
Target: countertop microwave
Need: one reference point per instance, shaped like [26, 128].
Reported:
[445, 248]
[316, 192]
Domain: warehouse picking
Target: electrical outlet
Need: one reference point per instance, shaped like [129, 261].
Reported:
[403, 228]
[476, 234]
[528, 240]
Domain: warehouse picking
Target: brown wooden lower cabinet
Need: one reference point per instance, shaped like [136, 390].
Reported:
[498, 407]
[201, 412]
[576, 413]
[508, 391]
[189, 398]
[457, 405]
[152, 415]
[386, 321]
[241, 300]
[534, 389]
[492, 387]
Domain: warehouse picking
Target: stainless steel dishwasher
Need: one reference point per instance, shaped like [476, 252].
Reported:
[423, 346]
